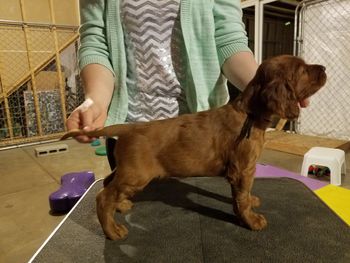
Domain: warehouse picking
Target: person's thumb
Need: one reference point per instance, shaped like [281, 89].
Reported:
[87, 120]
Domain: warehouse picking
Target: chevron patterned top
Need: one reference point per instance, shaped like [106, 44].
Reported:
[155, 58]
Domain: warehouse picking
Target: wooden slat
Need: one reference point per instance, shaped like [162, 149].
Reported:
[25, 140]
[8, 117]
[27, 77]
[28, 45]
[280, 125]
[58, 65]
[300, 144]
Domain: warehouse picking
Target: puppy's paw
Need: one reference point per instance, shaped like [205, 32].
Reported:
[124, 206]
[116, 231]
[256, 221]
[255, 201]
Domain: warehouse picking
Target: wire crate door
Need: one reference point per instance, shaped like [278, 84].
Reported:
[324, 38]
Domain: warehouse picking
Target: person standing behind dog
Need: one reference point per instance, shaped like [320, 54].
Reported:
[144, 60]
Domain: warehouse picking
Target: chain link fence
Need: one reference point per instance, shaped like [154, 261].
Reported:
[39, 84]
[323, 37]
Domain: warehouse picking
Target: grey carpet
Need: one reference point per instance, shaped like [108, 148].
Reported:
[191, 220]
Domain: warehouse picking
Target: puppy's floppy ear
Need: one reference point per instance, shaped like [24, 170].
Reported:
[250, 101]
[270, 92]
[280, 99]
[249, 96]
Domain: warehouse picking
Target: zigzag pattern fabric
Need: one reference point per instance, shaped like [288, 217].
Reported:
[156, 64]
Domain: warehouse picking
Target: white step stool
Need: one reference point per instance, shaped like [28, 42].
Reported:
[332, 158]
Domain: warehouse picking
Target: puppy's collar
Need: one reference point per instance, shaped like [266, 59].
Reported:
[248, 125]
[246, 129]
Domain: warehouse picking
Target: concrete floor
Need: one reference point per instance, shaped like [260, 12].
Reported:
[27, 181]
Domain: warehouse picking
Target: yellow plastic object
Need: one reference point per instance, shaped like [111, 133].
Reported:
[338, 199]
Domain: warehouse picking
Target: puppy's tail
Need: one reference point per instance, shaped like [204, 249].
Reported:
[109, 131]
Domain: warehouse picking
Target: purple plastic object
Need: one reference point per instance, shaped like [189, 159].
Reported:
[73, 186]
[271, 171]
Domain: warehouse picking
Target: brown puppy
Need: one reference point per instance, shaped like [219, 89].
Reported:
[225, 141]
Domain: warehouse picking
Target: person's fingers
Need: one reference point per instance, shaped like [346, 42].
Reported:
[88, 116]
[87, 124]
[86, 119]
[73, 121]
[305, 103]
[79, 120]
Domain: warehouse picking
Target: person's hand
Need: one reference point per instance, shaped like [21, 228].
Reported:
[88, 116]
[304, 103]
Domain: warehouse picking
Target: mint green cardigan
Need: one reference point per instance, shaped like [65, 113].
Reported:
[212, 32]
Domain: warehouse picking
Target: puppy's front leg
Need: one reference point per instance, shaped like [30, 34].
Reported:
[241, 185]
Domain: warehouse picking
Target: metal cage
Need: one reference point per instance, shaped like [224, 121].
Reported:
[36, 75]
[322, 36]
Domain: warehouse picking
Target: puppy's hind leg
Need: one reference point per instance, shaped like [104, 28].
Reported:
[115, 197]
[106, 206]
[137, 166]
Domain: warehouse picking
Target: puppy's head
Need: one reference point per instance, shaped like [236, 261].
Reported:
[280, 84]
